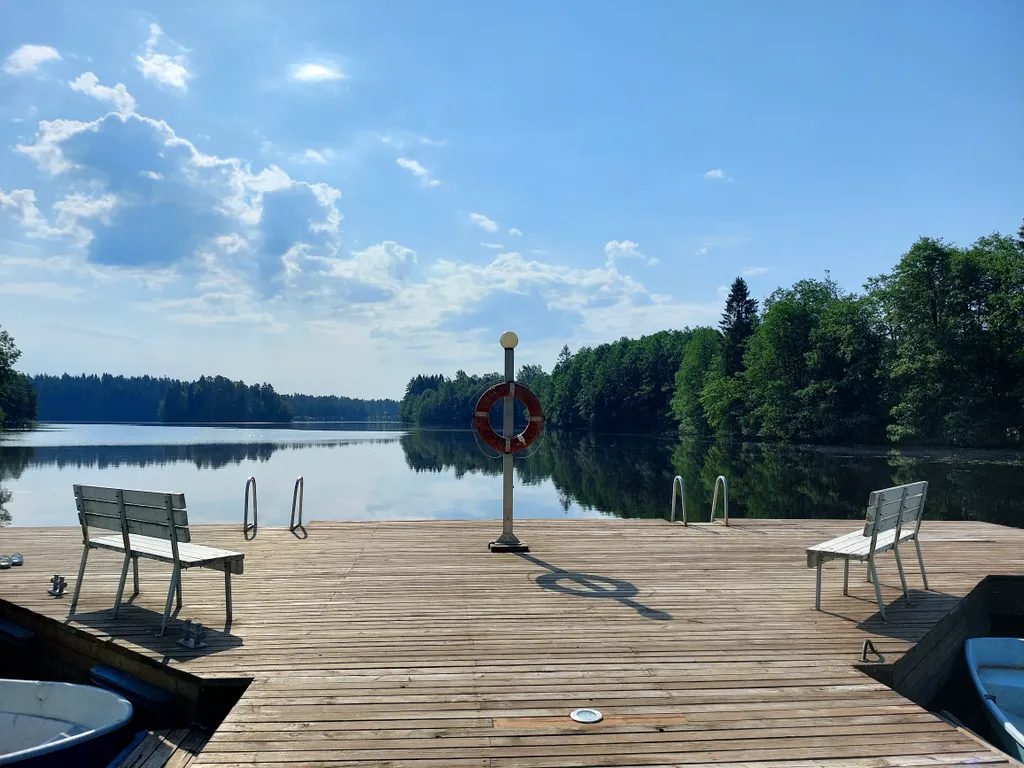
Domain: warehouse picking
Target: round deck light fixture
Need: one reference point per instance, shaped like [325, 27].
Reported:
[586, 715]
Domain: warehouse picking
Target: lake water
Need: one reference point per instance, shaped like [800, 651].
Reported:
[368, 472]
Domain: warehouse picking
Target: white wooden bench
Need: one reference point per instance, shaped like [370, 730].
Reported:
[893, 518]
[151, 525]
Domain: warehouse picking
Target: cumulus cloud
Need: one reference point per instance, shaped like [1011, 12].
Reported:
[753, 271]
[317, 72]
[485, 223]
[418, 171]
[170, 69]
[68, 213]
[321, 157]
[625, 249]
[515, 232]
[89, 84]
[28, 58]
[381, 266]
[197, 199]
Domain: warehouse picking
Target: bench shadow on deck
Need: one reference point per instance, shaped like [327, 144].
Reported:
[408, 644]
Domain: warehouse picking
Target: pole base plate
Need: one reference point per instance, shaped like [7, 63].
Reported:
[500, 546]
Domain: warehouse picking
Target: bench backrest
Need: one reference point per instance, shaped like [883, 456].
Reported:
[900, 507]
[145, 513]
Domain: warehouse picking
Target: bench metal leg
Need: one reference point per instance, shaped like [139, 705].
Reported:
[135, 574]
[81, 575]
[179, 590]
[120, 584]
[817, 591]
[175, 578]
[846, 577]
[867, 576]
[920, 561]
[903, 577]
[227, 592]
[878, 589]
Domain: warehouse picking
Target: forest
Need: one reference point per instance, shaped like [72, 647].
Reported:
[108, 398]
[931, 353]
[17, 395]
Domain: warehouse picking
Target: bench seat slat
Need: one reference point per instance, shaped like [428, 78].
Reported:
[190, 555]
[855, 546]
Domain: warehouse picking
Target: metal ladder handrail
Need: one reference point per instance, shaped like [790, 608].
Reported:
[720, 480]
[297, 493]
[246, 527]
[678, 482]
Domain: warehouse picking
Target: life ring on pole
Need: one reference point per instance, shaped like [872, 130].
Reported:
[482, 417]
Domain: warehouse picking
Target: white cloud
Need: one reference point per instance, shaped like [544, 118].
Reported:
[493, 246]
[753, 271]
[28, 58]
[231, 243]
[418, 171]
[166, 69]
[312, 156]
[452, 288]
[199, 198]
[89, 84]
[381, 266]
[313, 72]
[718, 174]
[68, 212]
[151, 175]
[486, 224]
[515, 232]
[41, 290]
[625, 249]
[709, 243]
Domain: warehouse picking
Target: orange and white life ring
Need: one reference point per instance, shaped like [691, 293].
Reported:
[482, 417]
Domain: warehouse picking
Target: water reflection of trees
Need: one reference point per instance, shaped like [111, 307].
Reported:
[630, 476]
[14, 460]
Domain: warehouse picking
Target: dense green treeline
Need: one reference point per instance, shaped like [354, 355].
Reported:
[17, 396]
[216, 398]
[930, 353]
[335, 408]
[108, 398]
[103, 398]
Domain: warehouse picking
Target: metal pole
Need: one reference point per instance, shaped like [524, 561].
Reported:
[508, 542]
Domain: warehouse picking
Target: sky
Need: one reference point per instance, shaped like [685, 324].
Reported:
[335, 196]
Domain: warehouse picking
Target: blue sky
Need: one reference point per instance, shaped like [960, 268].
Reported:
[333, 196]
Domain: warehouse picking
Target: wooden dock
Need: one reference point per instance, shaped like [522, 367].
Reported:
[409, 644]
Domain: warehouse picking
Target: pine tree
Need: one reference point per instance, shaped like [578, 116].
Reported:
[737, 324]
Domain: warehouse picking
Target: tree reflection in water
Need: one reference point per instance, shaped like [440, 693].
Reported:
[630, 476]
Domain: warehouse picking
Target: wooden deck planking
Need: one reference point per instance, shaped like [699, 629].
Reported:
[408, 644]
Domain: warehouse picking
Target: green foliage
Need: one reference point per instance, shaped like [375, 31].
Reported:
[445, 402]
[624, 386]
[335, 408]
[702, 354]
[737, 324]
[115, 399]
[956, 320]
[217, 398]
[18, 404]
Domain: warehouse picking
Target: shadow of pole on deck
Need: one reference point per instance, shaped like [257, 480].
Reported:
[590, 585]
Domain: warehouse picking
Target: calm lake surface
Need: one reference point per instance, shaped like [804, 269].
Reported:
[368, 472]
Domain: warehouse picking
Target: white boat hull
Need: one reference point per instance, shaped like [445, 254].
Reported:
[997, 668]
[43, 719]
